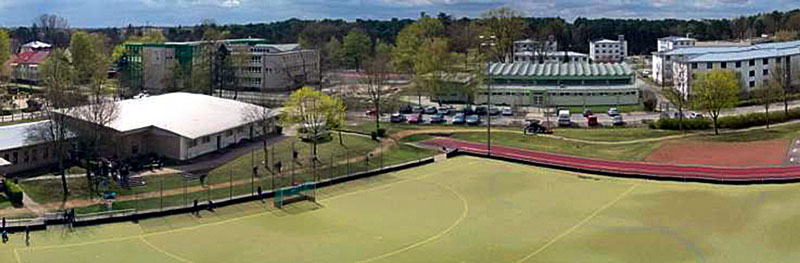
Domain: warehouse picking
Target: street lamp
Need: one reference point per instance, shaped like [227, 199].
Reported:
[488, 42]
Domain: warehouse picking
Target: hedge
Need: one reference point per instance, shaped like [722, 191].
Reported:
[688, 124]
[757, 119]
[14, 193]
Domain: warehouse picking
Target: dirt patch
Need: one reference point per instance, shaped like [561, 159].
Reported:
[727, 154]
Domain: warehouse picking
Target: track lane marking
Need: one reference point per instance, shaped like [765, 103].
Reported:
[578, 225]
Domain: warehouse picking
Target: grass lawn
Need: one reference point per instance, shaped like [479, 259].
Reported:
[633, 151]
[613, 134]
[791, 131]
[460, 211]
[18, 122]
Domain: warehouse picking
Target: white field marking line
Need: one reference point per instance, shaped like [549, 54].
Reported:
[578, 225]
[210, 224]
[164, 251]
[16, 256]
[434, 237]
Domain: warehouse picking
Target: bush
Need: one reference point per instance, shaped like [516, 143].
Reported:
[688, 124]
[14, 193]
[381, 132]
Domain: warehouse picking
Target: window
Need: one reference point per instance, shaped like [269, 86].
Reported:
[766, 72]
[35, 155]
[192, 143]
[752, 73]
[738, 64]
[206, 139]
[778, 60]
[765, 61]
[694, 65]
[229, 133]
[752, 62]
[752, 84]
[709, 65]
[723, 65]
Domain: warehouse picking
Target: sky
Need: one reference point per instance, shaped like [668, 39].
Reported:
[119, 13]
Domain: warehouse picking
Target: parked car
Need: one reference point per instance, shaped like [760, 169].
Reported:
[467, 110]
[613, 112]
[592, 121]
[417, 109]
[617, 120]
[494, 111]
[473, 120]
[438, 118]
[534, 127]
[507, 112]
[397, 118]
[646, 72]
[430, 110]
[405, 109]
[481, 110]
[445, 110]
[458, 119]
[587, 112]
[695, 115]
[564, 118]
[371, 112]
[415, 119]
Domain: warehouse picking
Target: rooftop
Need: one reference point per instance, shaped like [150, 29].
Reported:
[36, 45]
[605, 41]
[552, 54]
[16, 136]
[35, 57]
[185, 114]
[736, 53]
[677, 38]
[571, 69]
[281, 47]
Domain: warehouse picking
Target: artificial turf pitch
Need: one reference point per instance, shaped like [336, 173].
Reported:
[460, 210]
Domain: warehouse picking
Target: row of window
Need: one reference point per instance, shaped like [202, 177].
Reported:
[564, 93]
[31, 155]
[738, 64]
[604, 45]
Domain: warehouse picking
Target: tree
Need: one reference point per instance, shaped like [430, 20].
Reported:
[432, 64]
[315, 112]
[60, 99]
[264, 118]
[768, 94]
[88, 56]
[714, 91]
[335, 53]
[780, 81]
[679, 100]
[421, 52]
[54, 29]
[376, 72]
[356, 47]
[507, 25]
[5, 55]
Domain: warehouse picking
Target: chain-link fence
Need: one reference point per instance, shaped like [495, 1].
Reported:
[259, 173]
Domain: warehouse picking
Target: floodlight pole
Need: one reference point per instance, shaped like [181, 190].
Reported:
[488, 42]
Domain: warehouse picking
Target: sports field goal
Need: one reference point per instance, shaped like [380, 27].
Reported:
[291, 194]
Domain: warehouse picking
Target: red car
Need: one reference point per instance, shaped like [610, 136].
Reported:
[371, 112]
[416, 119]
[592, 120]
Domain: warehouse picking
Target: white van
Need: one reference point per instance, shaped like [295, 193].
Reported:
[564, 118]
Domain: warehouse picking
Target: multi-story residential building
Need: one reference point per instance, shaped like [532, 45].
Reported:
[673, 42]
[258, 66]
[544, 51]
[555, 84]
[25, 64]
[550, 57]
[605, 50]
[754, 63]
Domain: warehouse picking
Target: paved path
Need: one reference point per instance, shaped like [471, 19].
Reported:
[628, 168]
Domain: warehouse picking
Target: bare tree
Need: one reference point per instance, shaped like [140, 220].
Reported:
[376, 72]
[679, 100]
[60, 97]
[265, 119]
[54, 29]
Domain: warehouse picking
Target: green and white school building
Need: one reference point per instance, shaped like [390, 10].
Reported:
[557, 84]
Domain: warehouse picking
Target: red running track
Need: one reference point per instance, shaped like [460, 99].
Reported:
[663, 171]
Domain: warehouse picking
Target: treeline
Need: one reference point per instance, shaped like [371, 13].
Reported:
[641, 33]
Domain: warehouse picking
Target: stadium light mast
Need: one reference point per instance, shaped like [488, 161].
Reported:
[488, 42]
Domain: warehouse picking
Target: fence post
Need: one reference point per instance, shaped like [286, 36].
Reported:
[230, 183]
[184, 193]
[347, 168]
[380, 147]
[161, 194]
[332, 173]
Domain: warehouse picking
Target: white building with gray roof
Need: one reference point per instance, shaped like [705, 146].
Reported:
[755, 63]
[21, 149]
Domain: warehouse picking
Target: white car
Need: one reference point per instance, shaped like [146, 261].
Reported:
[613, 112]
[507, 112]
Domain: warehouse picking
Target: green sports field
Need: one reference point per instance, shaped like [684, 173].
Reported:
[460, 210]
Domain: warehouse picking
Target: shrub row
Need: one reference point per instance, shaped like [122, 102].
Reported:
[688, 124]
[758, 119]
[14, 192]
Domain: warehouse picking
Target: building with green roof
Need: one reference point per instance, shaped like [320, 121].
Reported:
[555, 84]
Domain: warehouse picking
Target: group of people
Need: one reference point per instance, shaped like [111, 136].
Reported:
[4, 233]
